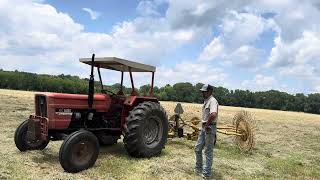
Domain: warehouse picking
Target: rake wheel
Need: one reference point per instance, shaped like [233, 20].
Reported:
[245, 125]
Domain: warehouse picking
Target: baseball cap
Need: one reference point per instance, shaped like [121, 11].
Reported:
[206, 87]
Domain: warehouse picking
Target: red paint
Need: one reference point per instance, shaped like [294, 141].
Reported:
[132, 100]
[44, 122]
[71, 101]
[101, 103]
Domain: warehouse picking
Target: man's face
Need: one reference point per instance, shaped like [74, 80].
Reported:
[206, 94]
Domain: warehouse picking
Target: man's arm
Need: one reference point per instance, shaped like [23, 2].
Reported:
[212, 118]
[213, 113]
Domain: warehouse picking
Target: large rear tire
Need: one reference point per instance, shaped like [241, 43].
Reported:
[79, 151]
[146, 130]
[22, 142]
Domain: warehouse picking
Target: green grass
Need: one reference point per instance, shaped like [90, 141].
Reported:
[229, 151]
[294, 166]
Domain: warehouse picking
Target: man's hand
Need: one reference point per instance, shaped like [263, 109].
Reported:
[207, 128]
[211, 119]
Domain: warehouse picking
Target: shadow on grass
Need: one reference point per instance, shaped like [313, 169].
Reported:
[46, 156]
[118, 150]
[181, 142]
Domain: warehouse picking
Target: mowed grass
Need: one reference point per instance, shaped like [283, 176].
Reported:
[287, 147]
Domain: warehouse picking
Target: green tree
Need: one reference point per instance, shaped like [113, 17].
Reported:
[184, 92]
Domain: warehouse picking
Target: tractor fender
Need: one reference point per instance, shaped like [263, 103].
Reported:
[134, 100]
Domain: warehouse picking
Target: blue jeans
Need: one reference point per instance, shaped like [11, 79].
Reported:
[205, 140]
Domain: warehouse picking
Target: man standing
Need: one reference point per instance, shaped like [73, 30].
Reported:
[207, 134]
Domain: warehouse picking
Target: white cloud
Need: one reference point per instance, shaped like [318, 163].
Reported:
[306, 76]
[296, 52]
[148, 8]
[305, 49]
[261, 83]
[53, 49]
[292, 17]
[149, 39]
[93, 14]
[213, 50]
[3, 44]
[246, 57]
[232, 47]
[42, 30]
[303, 71]
[199, 13]
[192, 72]
[51, 41]
[186, 71]
[298, 59]
[242, 28]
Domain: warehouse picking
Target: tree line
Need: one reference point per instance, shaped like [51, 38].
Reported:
[180, 92]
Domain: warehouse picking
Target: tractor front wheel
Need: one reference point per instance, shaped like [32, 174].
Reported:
[79, 151]
[146, 130]
[23, 143]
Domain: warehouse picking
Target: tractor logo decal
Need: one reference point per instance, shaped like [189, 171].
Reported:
[62, 111]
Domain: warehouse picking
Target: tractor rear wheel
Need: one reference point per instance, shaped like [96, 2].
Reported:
[146, 130]
[79, 151]
[22, 142]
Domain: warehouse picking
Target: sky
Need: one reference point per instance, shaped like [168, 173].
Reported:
[238, 44]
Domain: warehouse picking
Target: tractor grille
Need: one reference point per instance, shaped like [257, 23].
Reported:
[41, 106]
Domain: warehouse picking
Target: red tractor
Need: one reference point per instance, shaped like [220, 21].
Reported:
[85, 122]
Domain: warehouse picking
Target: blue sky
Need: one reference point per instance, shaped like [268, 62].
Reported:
[255, 45]
[112, 12]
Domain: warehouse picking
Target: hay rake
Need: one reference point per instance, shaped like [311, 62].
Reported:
[242, 128]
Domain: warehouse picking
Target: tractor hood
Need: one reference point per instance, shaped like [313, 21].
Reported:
[98, 97]
[58, 107]
[74, 101]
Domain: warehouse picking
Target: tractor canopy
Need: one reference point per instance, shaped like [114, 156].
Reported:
[118, 64]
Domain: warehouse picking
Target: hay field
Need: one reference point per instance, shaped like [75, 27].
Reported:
[287, 147]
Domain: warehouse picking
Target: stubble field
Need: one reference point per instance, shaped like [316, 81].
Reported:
[287, 147]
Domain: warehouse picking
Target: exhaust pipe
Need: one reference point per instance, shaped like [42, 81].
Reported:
[91, 85]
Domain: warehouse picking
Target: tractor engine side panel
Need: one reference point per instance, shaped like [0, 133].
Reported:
[61, 106]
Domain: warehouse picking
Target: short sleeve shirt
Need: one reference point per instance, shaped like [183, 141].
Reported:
[210, 105]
